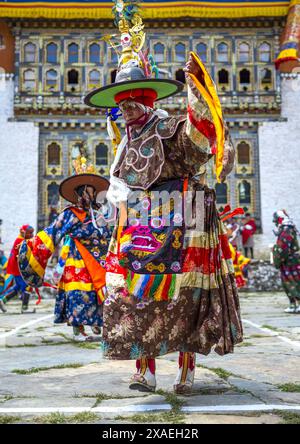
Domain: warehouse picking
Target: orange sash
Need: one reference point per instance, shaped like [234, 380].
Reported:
[96, 271]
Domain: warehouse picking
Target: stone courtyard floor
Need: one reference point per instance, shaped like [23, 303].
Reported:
[45, 377]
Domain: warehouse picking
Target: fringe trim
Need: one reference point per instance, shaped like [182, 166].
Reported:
[154, 10]
[160, 287]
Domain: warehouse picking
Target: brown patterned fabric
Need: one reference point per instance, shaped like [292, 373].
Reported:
[206, 313]
[160, 153]
[204, 316]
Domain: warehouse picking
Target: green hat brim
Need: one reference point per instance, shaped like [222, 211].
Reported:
[68, 186]
[105, 97]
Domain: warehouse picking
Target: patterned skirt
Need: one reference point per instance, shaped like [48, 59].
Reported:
[204, 316]
[290, 277]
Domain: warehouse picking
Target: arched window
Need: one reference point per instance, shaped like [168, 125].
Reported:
[264, 52]
[201, 50]
[244, 191]
[30, 52]
[221, 193]
[243, 153]
[244, 52]
[53, 194]
[51, 53]
[245, 79]
[101, 154]
[159, 52]
[180, 75]
[113, 56]
[94, 79]
[73, 53]
[29, 80]
[266, 79]
[180, 52]
[53, 154]
[223, 77]
[51, 80]
[113, 74]
[222, 52]
[73, 77]
[94, 53]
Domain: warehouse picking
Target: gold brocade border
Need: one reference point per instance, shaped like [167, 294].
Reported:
[149, 11]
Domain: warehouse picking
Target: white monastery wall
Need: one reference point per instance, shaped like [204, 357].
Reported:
[18, 168]
[279, 162]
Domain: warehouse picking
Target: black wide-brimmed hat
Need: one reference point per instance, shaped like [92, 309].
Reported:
[128, 79]
[67, 188]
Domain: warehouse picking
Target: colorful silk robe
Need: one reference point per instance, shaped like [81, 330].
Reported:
[81, 285]
[287, 259]
[202, 311]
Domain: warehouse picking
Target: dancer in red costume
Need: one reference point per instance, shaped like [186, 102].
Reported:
[19, 286]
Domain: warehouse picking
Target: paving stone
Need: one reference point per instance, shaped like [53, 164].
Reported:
[116, 407]
[48, 402]
[227, 398]
[259, 367]
[231, 419]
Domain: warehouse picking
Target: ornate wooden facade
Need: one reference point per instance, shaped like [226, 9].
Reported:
[57, 62]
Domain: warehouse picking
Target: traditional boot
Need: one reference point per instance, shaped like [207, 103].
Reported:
[97, 332]
[185, 377]
[25, 301]
[2, 306]
[144, 379]
[79, 334]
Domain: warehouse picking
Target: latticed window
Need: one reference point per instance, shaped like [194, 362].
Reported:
[243, 153]
[159, 52]
[94, 79]
[29, 80]
[101, 154]
[113, 56]
[51, 53]
[94, 53]
[266, 79]
[264, 52]
[245, 77]
[201, 50]
[180, 52]
[180, 75]
[221, 193]
[30, 52]
[244, 190]
[73, 53]
[73, 77]
[53, 194]
[53, 154]
[113, 74]
[223, 77]
[51, 79]
[222, 52]
[244, 53]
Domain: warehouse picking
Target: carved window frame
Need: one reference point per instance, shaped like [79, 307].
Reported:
[251, 206]
[159, 42]
[23, 51]
[106, 166]
[22, 79]
[89, 85]
[47, 88]
[100, 61]
[45, 52]
[50, 167]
